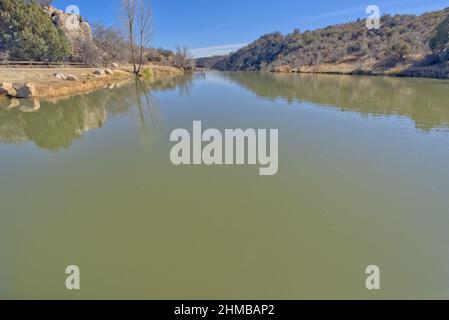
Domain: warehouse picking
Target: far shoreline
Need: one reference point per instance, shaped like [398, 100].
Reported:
[436, 71]
[337, 73]
[357, 73]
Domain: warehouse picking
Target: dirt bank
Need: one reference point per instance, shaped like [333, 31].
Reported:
[369, 67]
[48, 86]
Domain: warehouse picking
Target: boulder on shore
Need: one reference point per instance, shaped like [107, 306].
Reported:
[71, 77]
[63, 76]
[99, 72]
[60, 76]
[26, 91]
[7, 89]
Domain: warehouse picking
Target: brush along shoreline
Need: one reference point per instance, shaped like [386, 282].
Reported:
[26, 82]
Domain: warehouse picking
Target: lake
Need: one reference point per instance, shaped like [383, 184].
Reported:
[363, 180]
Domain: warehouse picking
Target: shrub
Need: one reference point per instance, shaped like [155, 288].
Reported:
[440, 41]
[89, 53]
[147, 74]
[111, 45]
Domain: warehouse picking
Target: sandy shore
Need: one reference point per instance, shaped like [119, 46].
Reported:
[48, 86]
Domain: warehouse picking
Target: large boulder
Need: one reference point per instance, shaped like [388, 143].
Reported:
[99, 72]
[77, 31]
[7, 89]
[63, 76]
[25, 91]
[71, 77]
[60, 76]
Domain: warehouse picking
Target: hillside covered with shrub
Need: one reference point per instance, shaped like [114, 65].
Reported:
[402, 43]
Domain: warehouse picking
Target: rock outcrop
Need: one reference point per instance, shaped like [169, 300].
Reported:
[77, 31]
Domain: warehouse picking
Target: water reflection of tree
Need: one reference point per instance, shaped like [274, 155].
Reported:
[54, 126]
[58, 123]
[184, 84]
[424, 101]
[148, 112]
[149, 116]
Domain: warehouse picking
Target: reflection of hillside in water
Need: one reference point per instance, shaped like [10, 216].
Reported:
[57, 123]
[425, 101]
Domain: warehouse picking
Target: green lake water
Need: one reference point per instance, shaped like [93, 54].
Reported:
[363, 180]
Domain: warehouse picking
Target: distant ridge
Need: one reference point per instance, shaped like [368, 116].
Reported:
[401, 47]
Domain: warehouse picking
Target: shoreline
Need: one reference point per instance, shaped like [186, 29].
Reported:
[343, 73]
[48, 86]
[436, 72]
[360, 73]
[364, 73]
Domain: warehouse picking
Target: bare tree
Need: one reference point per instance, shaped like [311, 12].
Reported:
[89, 53]
[183, 58]
[111, 43]
[136, 17]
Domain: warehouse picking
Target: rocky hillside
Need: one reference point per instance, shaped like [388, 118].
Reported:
[402, 44]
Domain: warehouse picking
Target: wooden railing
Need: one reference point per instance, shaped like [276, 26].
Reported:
[35, 64]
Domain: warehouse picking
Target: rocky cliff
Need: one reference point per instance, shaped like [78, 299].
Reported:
[77, 31]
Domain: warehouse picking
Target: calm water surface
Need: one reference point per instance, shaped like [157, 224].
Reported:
[363, 179]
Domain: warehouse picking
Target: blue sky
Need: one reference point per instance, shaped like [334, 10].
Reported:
[220, 26]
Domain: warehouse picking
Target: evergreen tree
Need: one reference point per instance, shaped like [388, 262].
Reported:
[27, 33]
